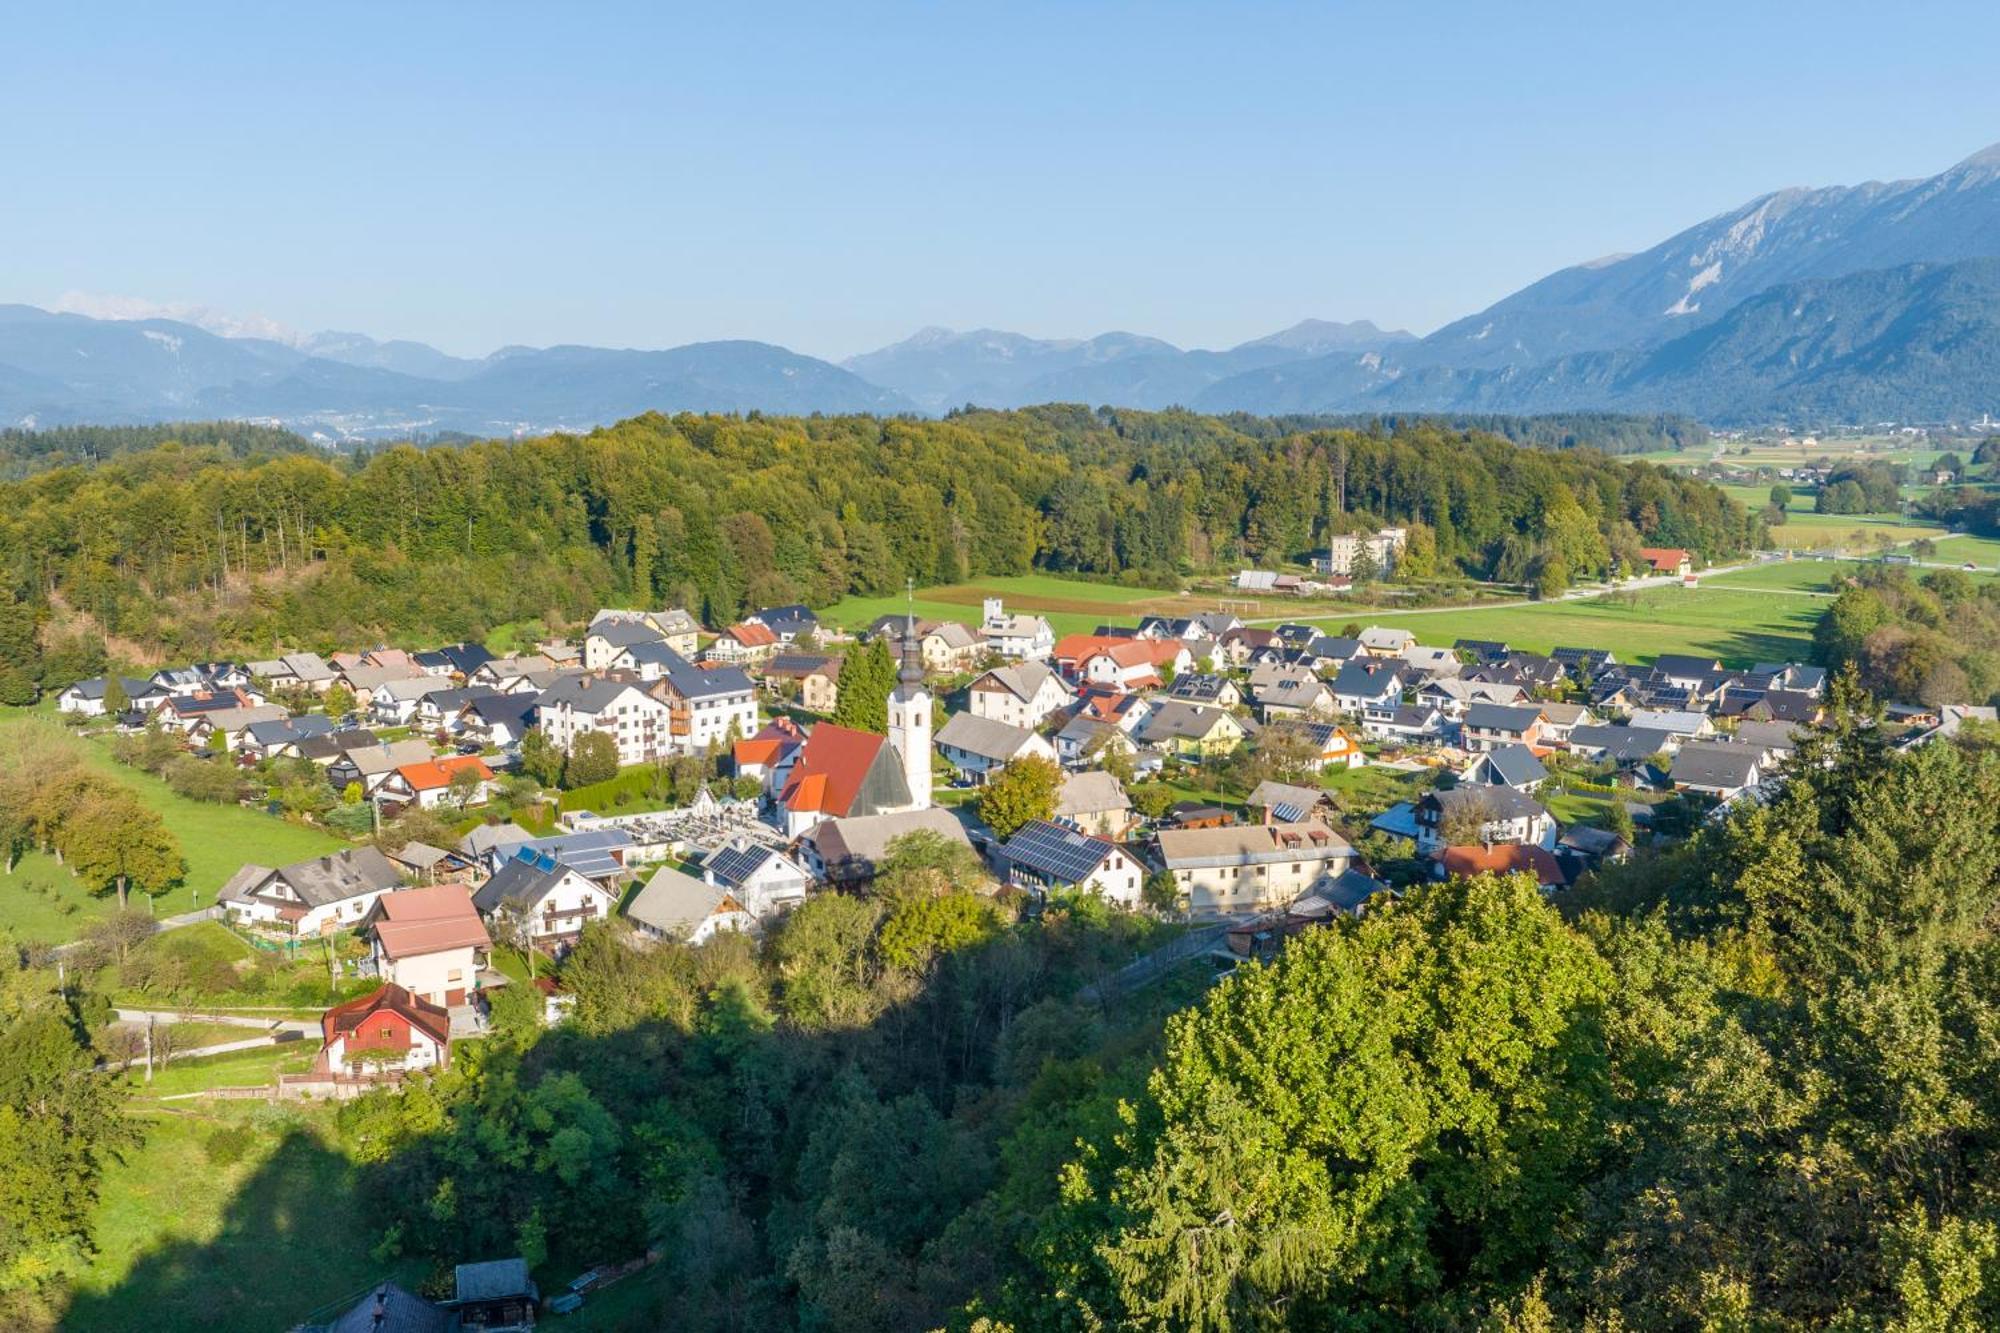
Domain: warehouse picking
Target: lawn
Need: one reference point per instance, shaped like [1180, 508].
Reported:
[1807, 576]
[1984, 551]
[216, 969]
[1739, 625]
[1072, 606]
[191, 1242]
[42, 903]
[216, 839]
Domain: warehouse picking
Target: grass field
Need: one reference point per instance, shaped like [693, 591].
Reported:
[1073, 606]
[216, 839]
[1811, 576]
[1982, 551]
[190, 1243]
[1738, 625]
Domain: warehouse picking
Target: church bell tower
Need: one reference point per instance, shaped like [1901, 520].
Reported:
[910, 714]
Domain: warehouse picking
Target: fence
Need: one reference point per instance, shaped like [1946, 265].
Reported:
[1144, 971]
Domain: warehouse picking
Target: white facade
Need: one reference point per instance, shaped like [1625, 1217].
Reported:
[634, 719]
[910, 734]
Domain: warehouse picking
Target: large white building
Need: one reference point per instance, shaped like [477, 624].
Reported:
[612, 703]
[1341, 553]
[910, 728]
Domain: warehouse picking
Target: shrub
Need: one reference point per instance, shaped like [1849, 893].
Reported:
[226, 1145]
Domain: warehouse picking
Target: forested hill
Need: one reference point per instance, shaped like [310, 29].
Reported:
[195, 553]
[26, 451]
[1611, 432]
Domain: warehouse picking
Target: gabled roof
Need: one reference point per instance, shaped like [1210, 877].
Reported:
[1357, 680]
[1090, 792]
[1503, 717]
[590, 694]
[683, 678]
[1058, 852]
[422, 1015]
[1724, 767]
[1499, 802]
[1515, 765]
[333, 878]
[1287, 804]
[857, 843]
[1620, 744]
[733, 863]
[523, 882]
[410, 922]
[834, 769]
[1176, 720]
[985, 737]
[1023, 680]
[673, 902]
[436, 774]
[1236, 844]
[751, 634]
[621, 633]
[1685, 664]
[1680, 722]
[1504, 859]
[483, 838]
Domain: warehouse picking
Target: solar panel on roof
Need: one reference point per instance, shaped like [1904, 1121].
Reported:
[1059, 853]
[1287, 812]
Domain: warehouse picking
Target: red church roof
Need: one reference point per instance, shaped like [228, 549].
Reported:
[830, 770]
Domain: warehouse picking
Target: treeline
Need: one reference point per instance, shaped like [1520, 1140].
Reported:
[188, 552]
[1934, 639]
[1610, 432]
[1861, 488]
[27, 451]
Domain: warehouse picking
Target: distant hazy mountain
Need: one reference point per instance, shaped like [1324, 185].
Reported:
[940, 368]
[64, 368]
[1694, 277]
[1920, 342]
[400, 355]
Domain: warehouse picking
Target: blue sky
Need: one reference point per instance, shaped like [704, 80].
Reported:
[833, 176]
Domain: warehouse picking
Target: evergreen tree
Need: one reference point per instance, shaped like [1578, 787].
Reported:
[20, 653]
[867, 678]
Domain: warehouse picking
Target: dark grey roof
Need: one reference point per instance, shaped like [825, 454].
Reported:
[521, 883]
[513, 709]
[1501, 802]
[1620, 744]
[588, 693]
[1516, 765]
[339, 876]
[625, 633]
[390, 1309]
[1723, 766]
[1502, 717]
[1360, 681]
[589, 852]
[1685, 664]
[693, 682]
[494, 1280]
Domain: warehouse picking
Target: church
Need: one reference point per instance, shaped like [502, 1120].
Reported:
[841, 773]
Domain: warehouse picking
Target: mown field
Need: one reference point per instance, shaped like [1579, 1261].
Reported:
[1073, 606]
[216, 839]
[1740, 625]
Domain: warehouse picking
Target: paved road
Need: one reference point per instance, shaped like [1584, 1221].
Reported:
[298, 1025]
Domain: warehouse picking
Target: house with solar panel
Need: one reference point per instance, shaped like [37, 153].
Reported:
[763, 879]
[674, 905]
[1044, 855]
[550, 900]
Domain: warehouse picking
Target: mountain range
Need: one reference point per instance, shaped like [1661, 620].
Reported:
[1873, 302]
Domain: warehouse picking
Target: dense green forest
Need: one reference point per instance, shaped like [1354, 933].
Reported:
[23, 452]
[193, 549]
[1934, 639]
[1609, 432]
[1750, 1081]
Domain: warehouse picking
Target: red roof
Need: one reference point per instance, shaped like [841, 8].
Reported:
[420, 1014]
[769, 745]
[1504, 859]
[1101, 704]
[435, 773]
[830, 770]
[751, 636]
[1665, 559]
[429, 920]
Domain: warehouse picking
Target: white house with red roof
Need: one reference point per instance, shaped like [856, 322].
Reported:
[389, 1031]
[428, 784]
[429, 941]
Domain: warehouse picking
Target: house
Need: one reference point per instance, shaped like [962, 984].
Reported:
[819, 688]
[181, 712]
[1250, 867]
[1362, 685]
[425, 864]
[614, 704]
[1685, 724]
[1685, 672]
[1016, 637]
[745, 642]
[846, 851]
[334, 746]
[677, 906]
[976, 746]
[763, 879]
[1283, 803]
[497, 1296]
[600, 855]
[543, 898]
[428, 784]
[1590, 847]
[1775, 740]
[429, 941]
[1417, 723]
[789, 623]
[674, 626]
[1342, 554]
[1290, 692]
[1480, 652]
[498, 720]
[1085, 738]
[393, 703]
[707, 706]
[1044, 855]
[364, 680]
[86, 697]
[489, 844]
[1124, 664]
[1509, 765]
[1202, 687]
[1185, 729]
[295, 671]
[280, 738]
[1198, 814]
[1503, 814]
[840, 773]
[389, 1308]
[312, 897]
[1095, 802]
[1668, 560]
[1786, 706]
[388, 1031]
[1622, 746]
[1585, 663]
[1432, 663]
[454, 660]
[1246, 644]
[941, 645]
[611, 634]
[769, 751]
[1379, 642]
[369, 766]
[1488, 726]
[1502, 859]
[510, 675]
[1024, 694]
[1724, 771]
[1337, 749]
[1453, 697]
[1560, 719]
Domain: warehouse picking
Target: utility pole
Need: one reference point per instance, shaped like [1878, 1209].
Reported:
[149, 1048]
